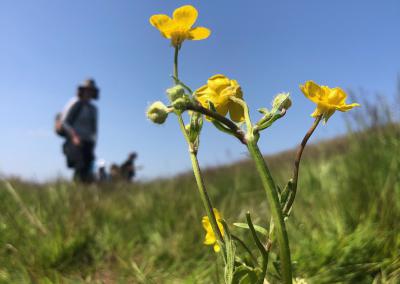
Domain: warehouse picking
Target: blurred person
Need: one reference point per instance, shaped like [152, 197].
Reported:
[127, 169]
[78, 124]
[102, 174]
[115, 173]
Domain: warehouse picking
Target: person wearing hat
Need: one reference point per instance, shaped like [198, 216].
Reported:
[79, 121]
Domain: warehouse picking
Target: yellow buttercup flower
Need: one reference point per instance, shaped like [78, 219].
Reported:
[219, 90]
[210, 238]
[328, 100]
[179, 28]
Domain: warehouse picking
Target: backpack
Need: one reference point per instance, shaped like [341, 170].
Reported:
[58, 123]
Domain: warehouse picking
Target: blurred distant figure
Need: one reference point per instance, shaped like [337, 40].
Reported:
[127, 169]
[102, 172]
[78, 124]
[115, 174]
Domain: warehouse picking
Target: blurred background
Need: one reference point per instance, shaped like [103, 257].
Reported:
[48, 49]
[344, 227]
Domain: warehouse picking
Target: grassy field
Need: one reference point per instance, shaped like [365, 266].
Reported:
[344, 228]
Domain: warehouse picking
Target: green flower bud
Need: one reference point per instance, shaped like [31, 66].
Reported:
[196, 123]
[187, 128]
[281, 101]
[175, 92]
[157, 112]
[181, 103]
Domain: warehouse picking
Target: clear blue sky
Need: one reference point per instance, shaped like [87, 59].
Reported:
[48, 47]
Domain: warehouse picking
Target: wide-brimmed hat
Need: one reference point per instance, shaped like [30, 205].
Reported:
[89, 84]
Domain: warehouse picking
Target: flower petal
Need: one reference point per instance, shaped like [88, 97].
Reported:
[218, 82]
[205, 94]
[222, 109]
[238, 89]
[217, 247]
[236, 112]
[328, 114]
[210, 238]
[199, 33]
[160, 21]
[217, 214]
[206, 223]
[319, 110]
[185, 16]
[346, 107]
[336, 96]
[204, 91]
[313, 91]
[164, 24]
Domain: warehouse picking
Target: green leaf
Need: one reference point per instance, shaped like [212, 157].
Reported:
[218, 124]
[258, 228]
[221, 127]
[249, 278]
[245, 275]
[285, 192]
[230, 254]
[268, 120]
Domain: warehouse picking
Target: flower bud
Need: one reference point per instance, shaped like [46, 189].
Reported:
[182, 103]
[157, 112]
[175, 92]
[187, 128]
[195, 125]
[281, 101]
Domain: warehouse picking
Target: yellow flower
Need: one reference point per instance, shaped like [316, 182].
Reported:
[179, 28]
[328, 100]
[210, 238]
[219, 90]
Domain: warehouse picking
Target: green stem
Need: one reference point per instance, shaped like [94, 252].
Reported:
[246, 248]
[236, 131]
[272, 195]
[195, 165]
[247, 119]
[270, 237]
[275, 207]
[293, 187]
[183, 85]
[176, 53]
[292, 193]
[263, 251]
[204, 197]
[265, 123]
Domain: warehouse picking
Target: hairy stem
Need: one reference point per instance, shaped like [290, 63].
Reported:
[204, 197]
[275, 208]
[195, 165]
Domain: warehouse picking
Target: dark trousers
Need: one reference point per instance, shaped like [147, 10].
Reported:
[84, 163]
[80, 158]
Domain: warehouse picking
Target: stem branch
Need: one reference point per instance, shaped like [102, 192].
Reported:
[292, 193]
[230, 124]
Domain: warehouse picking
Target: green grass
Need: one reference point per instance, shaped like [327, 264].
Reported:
[344, 227]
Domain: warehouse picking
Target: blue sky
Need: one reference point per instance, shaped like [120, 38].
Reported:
[48, 47]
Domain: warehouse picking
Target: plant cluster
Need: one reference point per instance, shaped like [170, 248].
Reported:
[212, 102]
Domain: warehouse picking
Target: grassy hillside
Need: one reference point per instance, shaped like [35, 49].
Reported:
[344, 228]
